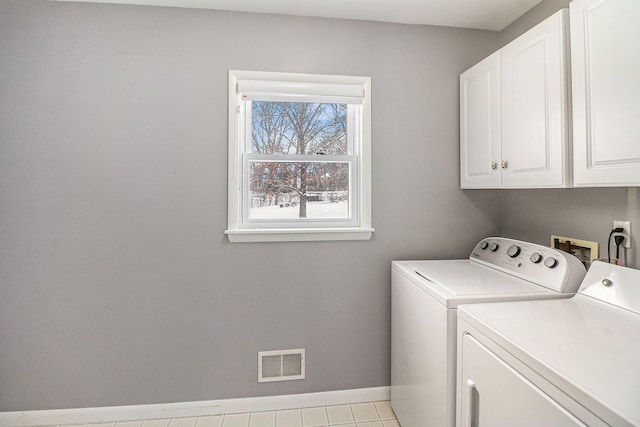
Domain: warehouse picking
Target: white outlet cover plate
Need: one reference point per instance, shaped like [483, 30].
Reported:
[627, 232]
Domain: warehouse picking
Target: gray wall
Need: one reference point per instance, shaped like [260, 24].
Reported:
[585, 213]
[537, 14]
[117, 285]
[580, 213]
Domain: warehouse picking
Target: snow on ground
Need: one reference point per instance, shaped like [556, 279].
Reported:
[314, 210]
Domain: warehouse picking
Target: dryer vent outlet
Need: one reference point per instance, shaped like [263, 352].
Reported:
[280, 365]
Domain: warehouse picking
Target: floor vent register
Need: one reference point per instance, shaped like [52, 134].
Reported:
[280, 365]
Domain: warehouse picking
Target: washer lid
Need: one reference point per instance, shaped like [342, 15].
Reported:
[454, 282]
[587, 348]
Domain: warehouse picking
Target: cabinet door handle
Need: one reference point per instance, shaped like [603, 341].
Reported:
[470, 409]
[494, 165]
[504, 164]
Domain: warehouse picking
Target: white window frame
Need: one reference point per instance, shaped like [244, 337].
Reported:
[298, 86]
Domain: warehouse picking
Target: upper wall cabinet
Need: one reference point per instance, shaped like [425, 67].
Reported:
[514, 119]
[605, 60]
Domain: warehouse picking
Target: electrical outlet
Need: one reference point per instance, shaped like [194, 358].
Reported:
[626, 233]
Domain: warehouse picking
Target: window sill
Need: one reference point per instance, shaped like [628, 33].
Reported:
[298, 235]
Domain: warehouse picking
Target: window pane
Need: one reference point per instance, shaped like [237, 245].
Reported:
[298, 128]
[294, 190]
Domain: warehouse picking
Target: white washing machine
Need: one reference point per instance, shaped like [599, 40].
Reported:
[424, 299]
[571, 362]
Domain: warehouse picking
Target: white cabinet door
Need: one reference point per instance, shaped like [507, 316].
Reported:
[480, 124]
[535, 134]
[493, 394]
[605, 53]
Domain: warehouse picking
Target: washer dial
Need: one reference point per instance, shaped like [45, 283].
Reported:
[551, 262]
[513, 251]
[535, 257]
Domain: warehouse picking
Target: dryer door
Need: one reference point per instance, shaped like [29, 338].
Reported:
[493, 394]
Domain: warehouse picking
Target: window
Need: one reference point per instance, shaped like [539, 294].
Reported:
[299, 157]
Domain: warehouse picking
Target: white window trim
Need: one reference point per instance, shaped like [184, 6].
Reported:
[234, 231]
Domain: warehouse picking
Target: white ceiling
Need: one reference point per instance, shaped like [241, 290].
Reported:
[483, 14]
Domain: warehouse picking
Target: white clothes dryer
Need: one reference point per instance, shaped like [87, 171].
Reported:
[571, 362]
[424, 299]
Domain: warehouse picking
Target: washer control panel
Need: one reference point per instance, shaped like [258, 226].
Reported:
[542, 265]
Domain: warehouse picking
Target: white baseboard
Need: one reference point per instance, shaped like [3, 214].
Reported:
[192, 409]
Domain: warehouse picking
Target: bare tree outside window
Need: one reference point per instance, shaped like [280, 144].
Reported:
[299, 128]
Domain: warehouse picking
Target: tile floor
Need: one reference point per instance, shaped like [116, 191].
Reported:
[371, 414]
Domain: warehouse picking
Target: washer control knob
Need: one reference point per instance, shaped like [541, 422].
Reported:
[493, 247]
[484, 245]
[535, 257]
[513, 251]
[551, 262]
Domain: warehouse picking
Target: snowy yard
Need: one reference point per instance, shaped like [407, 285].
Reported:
[314, 210]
